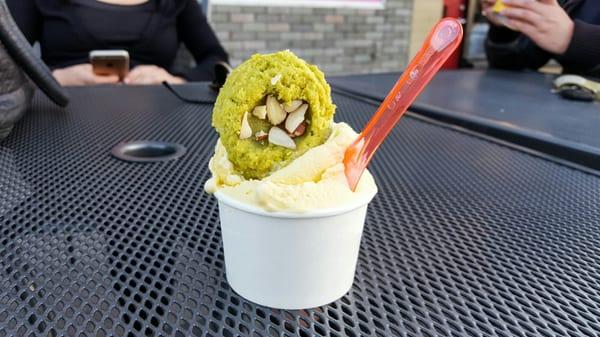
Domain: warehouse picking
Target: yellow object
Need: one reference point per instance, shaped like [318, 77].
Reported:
[497, 10]
[286, 77]
[499, 6]
[312, 181]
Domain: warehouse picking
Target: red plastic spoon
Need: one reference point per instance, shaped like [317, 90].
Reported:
[440, 44]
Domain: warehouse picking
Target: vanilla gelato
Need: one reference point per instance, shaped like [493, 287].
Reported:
[311, 182]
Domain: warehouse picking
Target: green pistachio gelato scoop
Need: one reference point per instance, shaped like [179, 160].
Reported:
[271, 110]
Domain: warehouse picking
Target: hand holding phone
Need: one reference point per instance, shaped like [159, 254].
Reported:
[110, 62]
[82, 74]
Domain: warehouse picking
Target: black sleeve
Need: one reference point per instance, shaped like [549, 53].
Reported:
[506, 49]
[27, 17]
[200, 40]
[583, 53]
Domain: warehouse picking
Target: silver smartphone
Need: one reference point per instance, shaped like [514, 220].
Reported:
[110, 62]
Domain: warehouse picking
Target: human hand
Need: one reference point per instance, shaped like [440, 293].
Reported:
[543, 21]
[150, 74]
[487, 9]
[82, 74]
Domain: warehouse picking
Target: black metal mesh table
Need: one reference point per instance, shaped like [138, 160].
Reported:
[373, 86]
[518, 107]
[467, 237]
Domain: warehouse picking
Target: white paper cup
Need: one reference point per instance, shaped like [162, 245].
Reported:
[288, 260]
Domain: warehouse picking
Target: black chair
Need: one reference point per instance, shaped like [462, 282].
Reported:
[19, 69]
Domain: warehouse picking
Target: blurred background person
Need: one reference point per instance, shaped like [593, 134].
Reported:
[567, 31]
[150, 30]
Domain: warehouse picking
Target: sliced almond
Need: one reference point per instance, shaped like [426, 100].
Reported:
[291, 106]
[300, 130]
[246, 130]
[295, 118]
[261, 135]
[260, 112]
[279, 137]
[275, 79]
[274, 111]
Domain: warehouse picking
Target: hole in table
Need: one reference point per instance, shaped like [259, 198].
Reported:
[148, 151]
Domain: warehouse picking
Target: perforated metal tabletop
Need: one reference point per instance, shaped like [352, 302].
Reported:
[467, 237]
[514, 106]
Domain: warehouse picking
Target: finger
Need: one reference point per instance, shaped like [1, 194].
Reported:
[490, 14]
[133, 76]
[128, 79]
[108, 79]
[526, 4]
[147, 80]
[522, 26]
[517, 3]
[133, 72]
[136, 79]
[524, 15]
[136, 72]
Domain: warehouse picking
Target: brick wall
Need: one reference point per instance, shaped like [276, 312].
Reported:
[338, 40]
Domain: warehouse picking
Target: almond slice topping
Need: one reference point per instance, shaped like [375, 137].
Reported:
[275, 79]
[246, 130]
[291, 106]
[274, 111]
[260, 112]
[281, 138]
[300, 130]
[295, 118]
[261, 135]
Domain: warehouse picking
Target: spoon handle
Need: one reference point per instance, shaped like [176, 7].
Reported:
[440, 44]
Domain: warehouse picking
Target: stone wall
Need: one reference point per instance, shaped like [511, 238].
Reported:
[338, 40]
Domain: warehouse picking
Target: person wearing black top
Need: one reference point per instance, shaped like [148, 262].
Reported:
[565, 30]
[150, 30]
